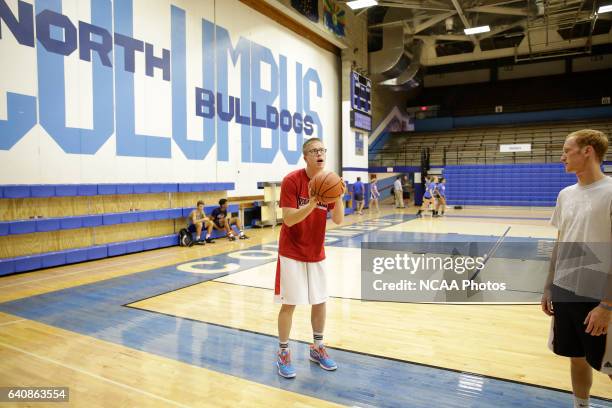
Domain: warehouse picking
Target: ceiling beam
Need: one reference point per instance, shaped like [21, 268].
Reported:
[444, 37]
[433, 21]
[500, 29]
[360, 12]
[418, 6]
[389, 23]
[505, 2]
[510, 11]
[463, 18]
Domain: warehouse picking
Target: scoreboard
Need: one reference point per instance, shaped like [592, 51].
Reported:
[361, 102]
[361, 93]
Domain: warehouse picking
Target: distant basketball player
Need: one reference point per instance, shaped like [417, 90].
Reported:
[435, 192]
[398, 193]
[358, 190]
[441, 202]
[405, 190]
[374, 193]
[427, 197]
[578, 291]
[300, 270]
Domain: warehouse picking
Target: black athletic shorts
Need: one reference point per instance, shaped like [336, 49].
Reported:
[358, 197]
[568, 335]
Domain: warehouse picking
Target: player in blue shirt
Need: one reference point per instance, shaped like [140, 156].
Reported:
[440, 196]
[358, 195]
[427, 197]
[441, 189]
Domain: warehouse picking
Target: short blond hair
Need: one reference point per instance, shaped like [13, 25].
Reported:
[596, 139]
[309, 142]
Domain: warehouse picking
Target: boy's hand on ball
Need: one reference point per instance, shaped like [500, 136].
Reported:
[311, 193]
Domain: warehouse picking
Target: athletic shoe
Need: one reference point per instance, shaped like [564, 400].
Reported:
[283, 362]
[199, 242]
[319, 355]
[231, 237]
[243, 237]
[210, 240]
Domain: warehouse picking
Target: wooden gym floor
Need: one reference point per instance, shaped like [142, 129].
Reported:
[196, 327]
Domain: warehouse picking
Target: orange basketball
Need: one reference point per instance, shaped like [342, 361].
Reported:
[327, 186]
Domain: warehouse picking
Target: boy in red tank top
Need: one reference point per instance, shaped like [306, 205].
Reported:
[300, 271]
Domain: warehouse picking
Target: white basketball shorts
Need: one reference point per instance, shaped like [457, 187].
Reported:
[300, 283]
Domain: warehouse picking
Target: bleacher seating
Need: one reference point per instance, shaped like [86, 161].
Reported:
[96, 220]
[481, 145]
[579, 89]
[534, 185]
[69, 256]
[178, 215]
[92, 221]
[73, 190]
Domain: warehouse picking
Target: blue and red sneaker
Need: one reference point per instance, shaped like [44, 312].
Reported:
[283, 362]
[319, 355]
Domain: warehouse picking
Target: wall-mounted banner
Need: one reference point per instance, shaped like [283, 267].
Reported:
[136, 91]
[512, 148]
[358, 144]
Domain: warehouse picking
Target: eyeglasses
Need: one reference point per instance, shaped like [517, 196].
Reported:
[317, 151]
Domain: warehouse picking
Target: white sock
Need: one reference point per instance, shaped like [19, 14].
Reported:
[580, 403]
[198, 238]
[318, 339]
[207, 236]
[241, 232]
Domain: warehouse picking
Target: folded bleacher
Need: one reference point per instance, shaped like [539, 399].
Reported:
[534, 185]
[480, 145]
[86, 223]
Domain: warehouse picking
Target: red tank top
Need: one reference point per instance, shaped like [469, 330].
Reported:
[304, 240]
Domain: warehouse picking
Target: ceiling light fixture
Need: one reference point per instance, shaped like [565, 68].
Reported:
[604, 9]
[358, 4]
[477, 30]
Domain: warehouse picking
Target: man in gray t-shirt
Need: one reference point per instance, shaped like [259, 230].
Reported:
[578, 292]
[397, 192]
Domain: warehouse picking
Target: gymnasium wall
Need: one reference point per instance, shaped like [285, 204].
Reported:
[518, 88]
[135, 91]
[449, 123]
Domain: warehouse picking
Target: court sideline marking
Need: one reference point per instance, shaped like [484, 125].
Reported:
[12, 321]
[84, 269]
[89, 373]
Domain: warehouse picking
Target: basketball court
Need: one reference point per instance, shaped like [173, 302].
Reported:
[157, 159]
[202, 332]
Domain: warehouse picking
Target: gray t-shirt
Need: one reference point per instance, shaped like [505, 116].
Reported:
[583, 216]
